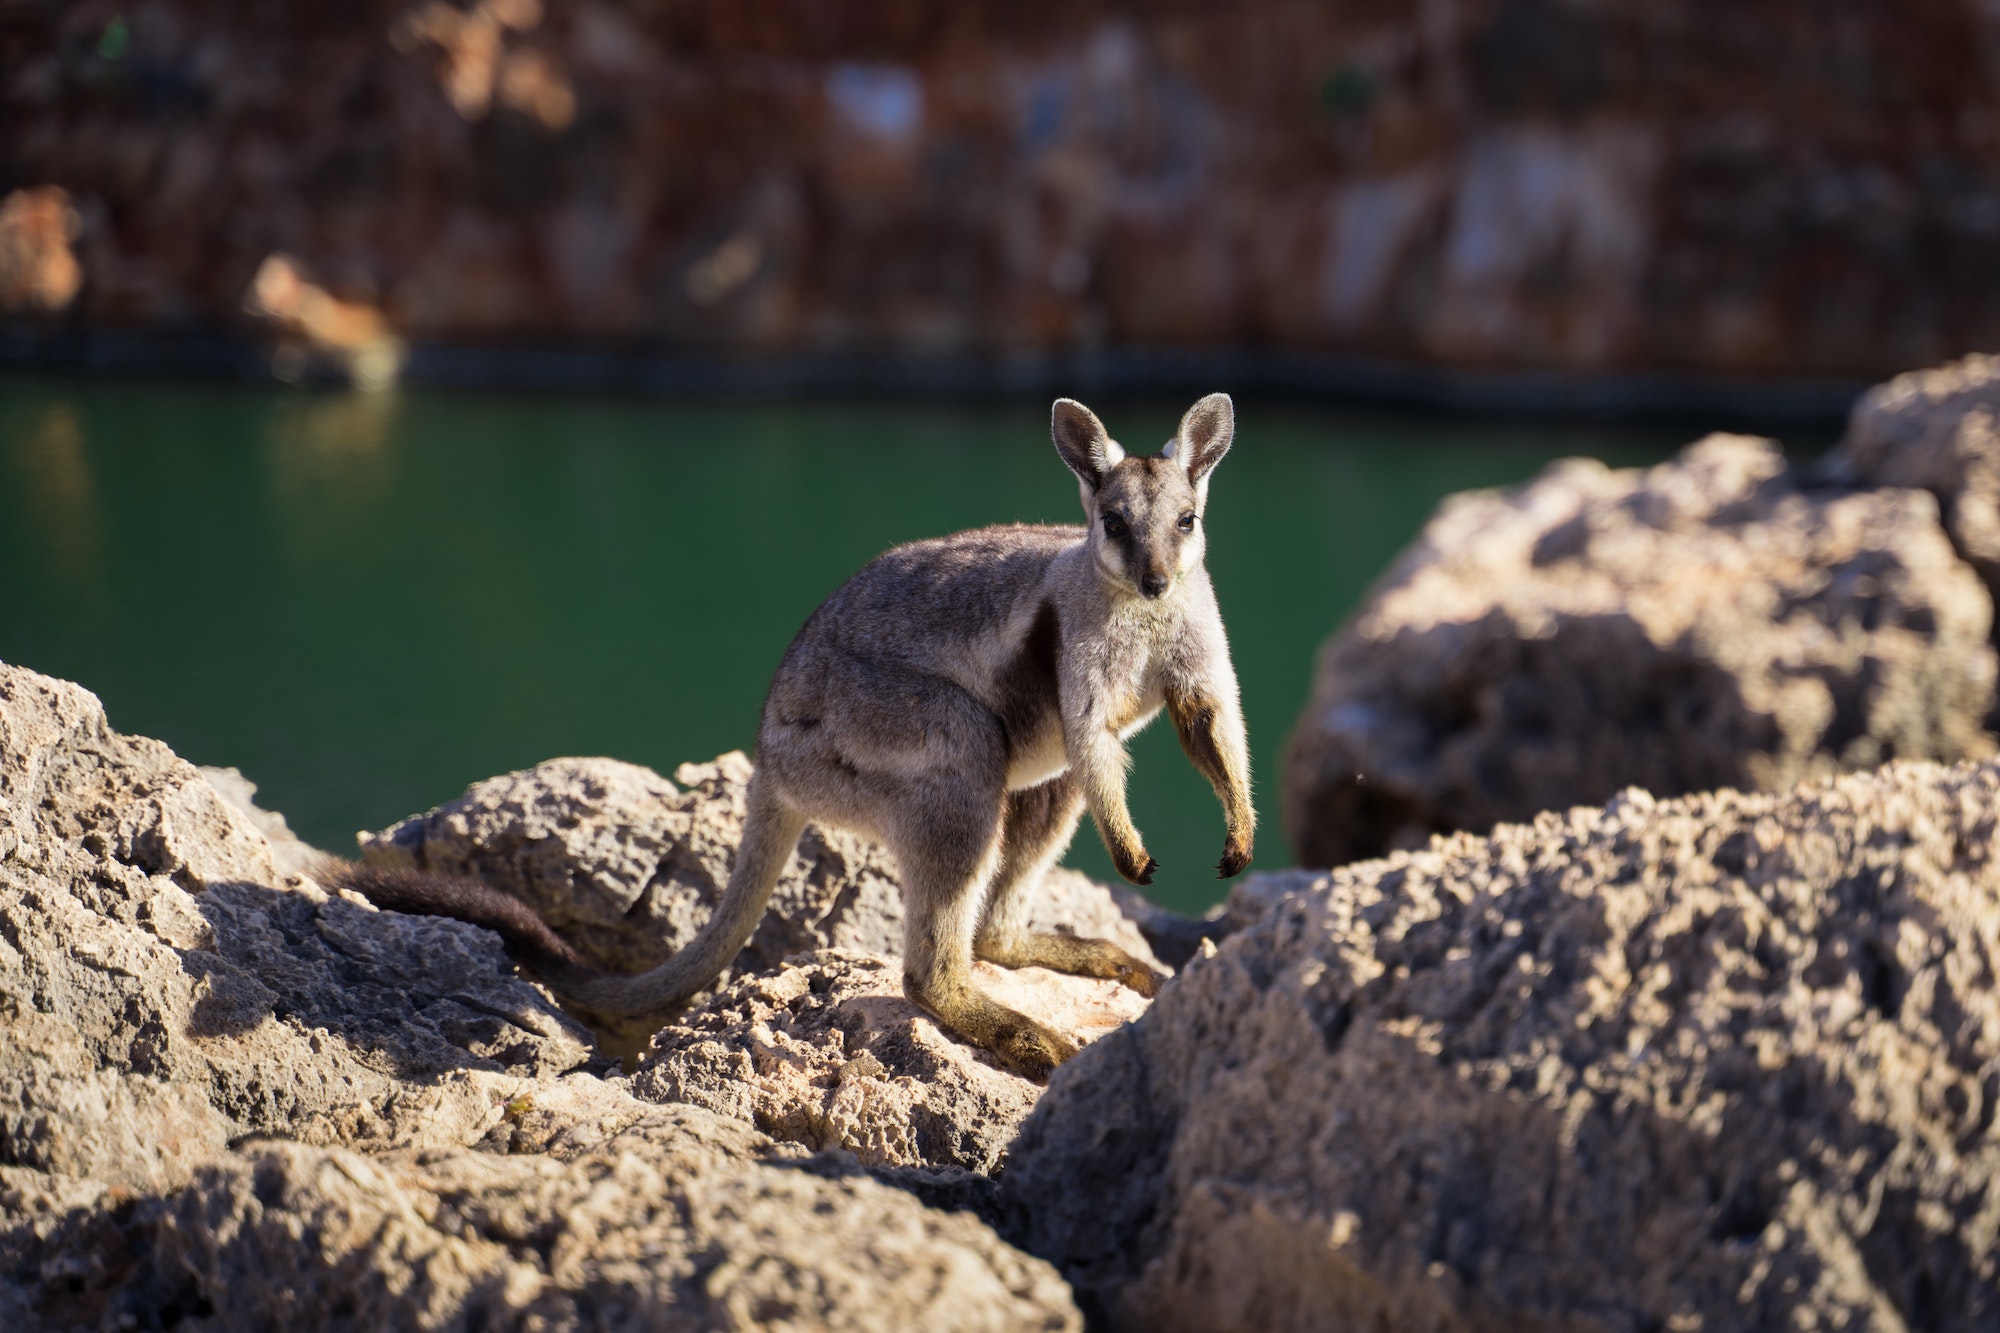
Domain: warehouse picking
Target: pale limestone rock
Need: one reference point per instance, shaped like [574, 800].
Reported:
[290, 854]
[827, 1053]
[627, 866]
[679, 1219]
[164, 992]
[1726, 1062]
[1936, 430]
[231, 1100]
[1710, 622]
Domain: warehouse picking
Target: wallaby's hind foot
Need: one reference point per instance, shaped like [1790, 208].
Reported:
[1077, 955]
[1030, 1049]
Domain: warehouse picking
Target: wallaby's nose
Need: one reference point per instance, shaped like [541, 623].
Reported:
[1153, 584]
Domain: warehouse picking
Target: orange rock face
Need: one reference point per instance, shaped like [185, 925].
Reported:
[1508, 183]
[38, 271]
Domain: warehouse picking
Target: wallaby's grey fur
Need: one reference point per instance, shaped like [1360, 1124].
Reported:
[964, 699]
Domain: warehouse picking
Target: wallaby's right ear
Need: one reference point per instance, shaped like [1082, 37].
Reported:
[1081, 440]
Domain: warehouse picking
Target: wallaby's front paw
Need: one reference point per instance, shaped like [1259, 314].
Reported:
[1034, 1052]
[1138, 869]
[1235, 856]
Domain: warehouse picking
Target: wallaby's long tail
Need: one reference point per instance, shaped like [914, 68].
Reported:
[769, 835]
[429, 893]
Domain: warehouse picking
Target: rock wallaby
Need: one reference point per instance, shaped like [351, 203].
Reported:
[963, 700]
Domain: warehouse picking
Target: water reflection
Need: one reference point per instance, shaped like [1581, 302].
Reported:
[58, 496]
[329, 460]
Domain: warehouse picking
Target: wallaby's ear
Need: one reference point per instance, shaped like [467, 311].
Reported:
[1081, 440]
[1205, 435]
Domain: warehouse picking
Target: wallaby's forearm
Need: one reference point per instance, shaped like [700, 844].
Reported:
[1098, 760]
[1211, 731]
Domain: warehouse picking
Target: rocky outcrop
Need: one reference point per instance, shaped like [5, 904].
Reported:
[681, 1219]
[164, 991]
[1493, 183]
[1726, 1062]
[1711, 622]
[1937, 430]
[827, 1053]
[627, 866]
[290, 854]
[230, 1097]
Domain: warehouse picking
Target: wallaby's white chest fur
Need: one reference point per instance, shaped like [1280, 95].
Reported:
[1116, 653]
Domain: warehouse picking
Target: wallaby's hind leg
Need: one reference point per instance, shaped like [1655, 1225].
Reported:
[947, 846]
[1036, 828]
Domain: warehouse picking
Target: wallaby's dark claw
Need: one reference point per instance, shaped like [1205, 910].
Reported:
[1145, 875]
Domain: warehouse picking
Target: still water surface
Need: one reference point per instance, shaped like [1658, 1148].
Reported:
[368, 602]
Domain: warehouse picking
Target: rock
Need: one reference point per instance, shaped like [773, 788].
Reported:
[230, 1099]
[1935, 430]
[627, 866]
[682, 1219]
[290, 854]
[1616, 192]
[39, 270]
[1706, 623]
[164, 992]
[827, 1053]
[1725, 1062]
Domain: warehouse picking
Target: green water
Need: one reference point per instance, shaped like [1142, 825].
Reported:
[368, 602]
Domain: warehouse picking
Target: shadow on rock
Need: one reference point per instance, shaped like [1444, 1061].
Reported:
[1724, 1062]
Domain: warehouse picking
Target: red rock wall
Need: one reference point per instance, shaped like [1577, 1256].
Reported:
[1777, 186]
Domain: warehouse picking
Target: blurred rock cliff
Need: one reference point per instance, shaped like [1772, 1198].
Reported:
[1767, 188]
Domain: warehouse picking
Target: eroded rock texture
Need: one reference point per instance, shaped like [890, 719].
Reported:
[826, 1052]
[682, 1219]
[163, 991]
[231, 1100]
[1936, 430]
[1755, 190]
[1710, 622]
[627, 866]
[1726, 1062]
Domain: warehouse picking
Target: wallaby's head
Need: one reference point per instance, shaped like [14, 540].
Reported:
[1145, 511]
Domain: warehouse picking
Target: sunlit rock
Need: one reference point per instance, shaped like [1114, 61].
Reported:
[1715, 621]
[1725, 1062]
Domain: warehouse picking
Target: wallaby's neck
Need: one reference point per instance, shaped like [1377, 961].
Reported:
[1096, 595]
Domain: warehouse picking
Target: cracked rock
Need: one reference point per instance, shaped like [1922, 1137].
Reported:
[1710, 622]
[1727, 1062]
[826, 1052]
[628, 866]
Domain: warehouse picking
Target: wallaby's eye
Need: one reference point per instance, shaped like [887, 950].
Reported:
[1186, 524]
[1114, 526]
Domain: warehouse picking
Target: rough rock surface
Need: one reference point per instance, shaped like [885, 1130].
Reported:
[1726, 1062]
[229, 1099]
[1936, 430]
[1482, 183]
[627, 866]
[1706, 623]
[290, 854]
[681, 1219]
[163, 991]
[826, 1052]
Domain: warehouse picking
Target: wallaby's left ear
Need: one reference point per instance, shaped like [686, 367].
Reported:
[1081, 440]
[1205, 435]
